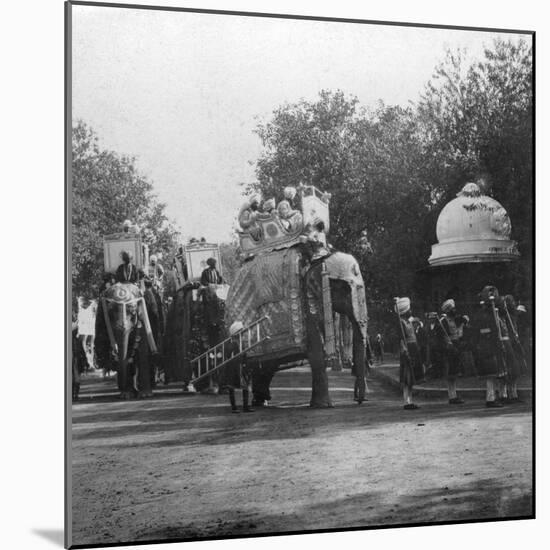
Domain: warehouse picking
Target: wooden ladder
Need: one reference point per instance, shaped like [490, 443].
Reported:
[214, 358]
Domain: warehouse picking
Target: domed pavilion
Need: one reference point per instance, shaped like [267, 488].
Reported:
[474, 249]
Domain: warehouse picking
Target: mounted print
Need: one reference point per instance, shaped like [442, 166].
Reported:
[301, 274]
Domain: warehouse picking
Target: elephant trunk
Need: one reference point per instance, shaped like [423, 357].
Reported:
[123, 377]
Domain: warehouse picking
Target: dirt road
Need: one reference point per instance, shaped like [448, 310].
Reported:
[182, 466]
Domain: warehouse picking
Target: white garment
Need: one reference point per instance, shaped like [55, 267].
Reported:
[86, 319]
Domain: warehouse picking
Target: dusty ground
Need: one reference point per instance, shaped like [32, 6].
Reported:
[182, 466]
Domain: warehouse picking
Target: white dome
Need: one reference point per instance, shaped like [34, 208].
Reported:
[473, 228]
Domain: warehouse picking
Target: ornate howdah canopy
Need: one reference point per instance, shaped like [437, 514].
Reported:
[303, 213]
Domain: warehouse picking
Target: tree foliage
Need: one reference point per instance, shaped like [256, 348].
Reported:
[364, 160]
[107, 189]
[391, 169]
[477, 125]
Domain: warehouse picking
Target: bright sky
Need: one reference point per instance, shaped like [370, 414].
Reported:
[183, 92]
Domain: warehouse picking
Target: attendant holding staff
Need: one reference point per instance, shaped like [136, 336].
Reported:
[410, 365]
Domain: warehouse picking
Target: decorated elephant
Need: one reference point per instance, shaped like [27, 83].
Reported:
[299, 291]
[124, 336]
[195, 322]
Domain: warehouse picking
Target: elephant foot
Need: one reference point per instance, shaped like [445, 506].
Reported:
[321, 404]
[144, 394]
[125, 395]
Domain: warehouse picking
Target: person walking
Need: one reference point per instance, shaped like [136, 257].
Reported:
[79, 360]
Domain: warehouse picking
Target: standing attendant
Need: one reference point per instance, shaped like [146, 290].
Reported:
[211, 275]
[156, 272]
[235, 374]
[410, 366]
[514, 353]
[379, 348]
[487, 333]
[181, 268]
[452, 324]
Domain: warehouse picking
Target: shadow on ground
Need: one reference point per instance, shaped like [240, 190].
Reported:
[206, 420]
[481, 500]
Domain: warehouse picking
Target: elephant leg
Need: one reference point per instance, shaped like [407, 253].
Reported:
[262, 375]
[359, 352]
[124, 379]
[319, 379]
[144, 364]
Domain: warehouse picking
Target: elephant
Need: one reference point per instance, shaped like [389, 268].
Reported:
[123, 331]
[293, 287]
[195, 322]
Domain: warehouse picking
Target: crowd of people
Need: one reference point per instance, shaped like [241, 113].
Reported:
[494, 345]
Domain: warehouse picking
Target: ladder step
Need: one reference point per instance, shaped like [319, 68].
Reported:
[219, 366]
[248, 337]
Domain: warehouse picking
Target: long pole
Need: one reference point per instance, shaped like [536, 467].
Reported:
[449, 341]
[401, 326]
[499, 332]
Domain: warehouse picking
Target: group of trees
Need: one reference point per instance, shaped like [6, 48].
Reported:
[391, 169]
[106, 190]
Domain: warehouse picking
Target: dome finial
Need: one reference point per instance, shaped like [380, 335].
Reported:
[469, 190]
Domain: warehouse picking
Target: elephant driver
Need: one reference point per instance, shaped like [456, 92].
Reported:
[235, 374]
[127, 272]
[211, 275]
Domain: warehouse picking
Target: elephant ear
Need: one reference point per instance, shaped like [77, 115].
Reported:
[314, 289]
[144, 318]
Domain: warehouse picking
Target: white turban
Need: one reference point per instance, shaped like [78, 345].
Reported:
[403, 305]
[289, 192]
[153, 258]
[522, 308]
[447, 306]
[235, 327]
